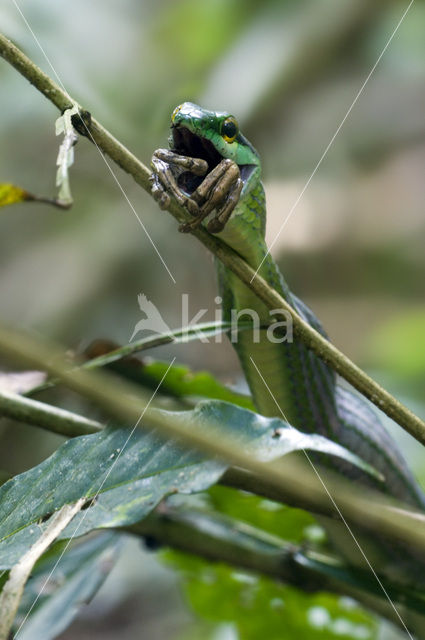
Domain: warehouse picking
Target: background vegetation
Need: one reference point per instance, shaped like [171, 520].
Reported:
[353, 248]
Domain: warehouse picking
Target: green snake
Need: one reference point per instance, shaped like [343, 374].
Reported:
[214, 171]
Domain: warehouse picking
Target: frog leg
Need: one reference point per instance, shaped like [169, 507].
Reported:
[198, 166]
[218, 222]
[220, 190]
[165, 165]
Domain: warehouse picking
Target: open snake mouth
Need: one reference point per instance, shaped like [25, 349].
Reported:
[189, 144]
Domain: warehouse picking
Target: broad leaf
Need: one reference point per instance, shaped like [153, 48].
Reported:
[269, 438]
[130, 474]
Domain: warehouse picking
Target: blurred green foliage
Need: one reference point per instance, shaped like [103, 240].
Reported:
[353, 247]
[256, 606]
[399, 346]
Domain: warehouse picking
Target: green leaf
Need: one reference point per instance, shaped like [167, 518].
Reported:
[147, 469]
[82, 570]
[268, 438]
[182, 382]
[131, 474]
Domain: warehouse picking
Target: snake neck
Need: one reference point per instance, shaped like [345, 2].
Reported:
[285, 379]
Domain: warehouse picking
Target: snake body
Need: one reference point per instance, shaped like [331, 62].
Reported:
[285, 378]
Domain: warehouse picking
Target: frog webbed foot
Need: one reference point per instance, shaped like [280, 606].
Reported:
[167, 167]
[220, 191]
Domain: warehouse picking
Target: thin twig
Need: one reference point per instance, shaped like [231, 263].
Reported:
[53, 419]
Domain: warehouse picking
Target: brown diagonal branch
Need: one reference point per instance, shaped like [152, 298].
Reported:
[107, 144]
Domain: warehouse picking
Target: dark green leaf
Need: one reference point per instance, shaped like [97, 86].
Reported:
[146, 469]
[130, 474]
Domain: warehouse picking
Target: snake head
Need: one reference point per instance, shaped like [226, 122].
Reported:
[212, 136]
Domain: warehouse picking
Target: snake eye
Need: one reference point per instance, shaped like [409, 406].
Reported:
[229, 129]
[175, 112]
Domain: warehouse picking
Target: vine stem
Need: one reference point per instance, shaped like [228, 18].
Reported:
[45, 416]
[109, 145]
